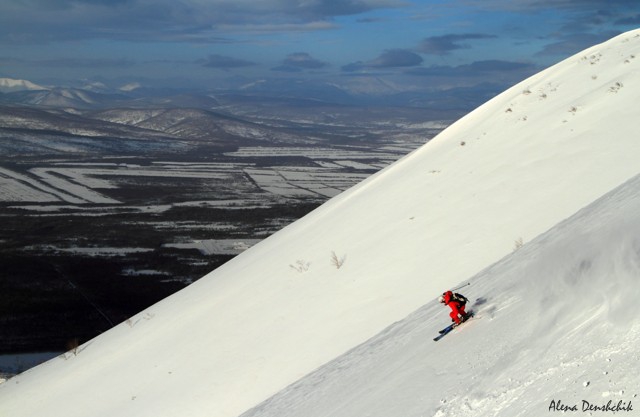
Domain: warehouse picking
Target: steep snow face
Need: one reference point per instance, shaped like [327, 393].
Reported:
[554, 325]
[510, 170]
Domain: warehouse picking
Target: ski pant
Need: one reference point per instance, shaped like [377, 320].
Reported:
[456, 311]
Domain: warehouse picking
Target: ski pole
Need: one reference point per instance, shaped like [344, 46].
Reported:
[462, 286]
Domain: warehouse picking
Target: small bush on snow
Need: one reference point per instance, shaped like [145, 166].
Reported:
[336, 261]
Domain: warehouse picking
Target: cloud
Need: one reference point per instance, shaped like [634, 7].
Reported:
[391, 58]
[263, 28]
[477, 69]
[371, 20]
[571, 15]
[629, 20]
[62, 5]
[72, 62]
[354, 66]
[224, 62]
[573, 43]
[88, 63]
[334, 8]
[394, 58]
[496, 65]
[536, 5]
[444, 45]
[299, 61]
[179, 21]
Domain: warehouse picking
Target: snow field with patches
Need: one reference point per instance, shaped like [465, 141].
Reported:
[14, 190]
[217, 246]
[444, 213]
[81, 183]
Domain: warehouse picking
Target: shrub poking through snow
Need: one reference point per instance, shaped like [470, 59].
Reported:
[337, 261]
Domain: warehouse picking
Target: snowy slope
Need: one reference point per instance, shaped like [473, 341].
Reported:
[553, 323]
[510, 170]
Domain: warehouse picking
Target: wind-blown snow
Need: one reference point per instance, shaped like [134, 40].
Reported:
[511, 170]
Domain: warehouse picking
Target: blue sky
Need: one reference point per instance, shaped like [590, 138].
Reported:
[410, 44]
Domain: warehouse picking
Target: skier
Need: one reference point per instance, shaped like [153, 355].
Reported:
[457, 303]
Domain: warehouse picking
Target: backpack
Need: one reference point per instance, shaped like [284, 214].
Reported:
[459, 298]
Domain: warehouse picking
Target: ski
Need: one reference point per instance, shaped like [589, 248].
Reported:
[449, 328]
[444, 332]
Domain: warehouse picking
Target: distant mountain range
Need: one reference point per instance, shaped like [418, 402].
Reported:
[50, 120]
[40, 131]
[358, 91]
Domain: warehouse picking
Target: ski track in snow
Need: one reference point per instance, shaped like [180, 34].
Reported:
[550, 324]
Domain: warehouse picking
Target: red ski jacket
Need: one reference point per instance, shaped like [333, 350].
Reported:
[457, 306]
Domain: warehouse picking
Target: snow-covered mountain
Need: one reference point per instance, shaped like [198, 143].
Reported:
[65, 98]
[334, 314]
[130, 87]
[36, 120]
[198, 124]
[8, 85]
[552, 324]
